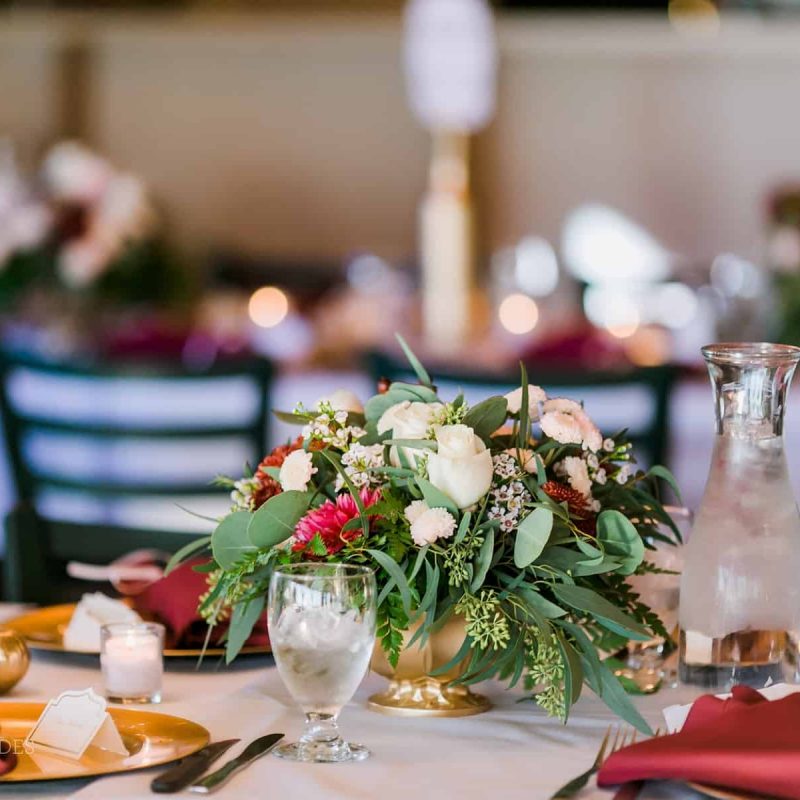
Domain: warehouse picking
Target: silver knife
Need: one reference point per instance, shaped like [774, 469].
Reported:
[254, 750]
[190, 768]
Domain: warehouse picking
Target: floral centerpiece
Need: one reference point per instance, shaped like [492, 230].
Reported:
[81, 228]
[515, 513]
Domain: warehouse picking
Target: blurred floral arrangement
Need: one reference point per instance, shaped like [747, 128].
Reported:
[514, 513]
[80, 228]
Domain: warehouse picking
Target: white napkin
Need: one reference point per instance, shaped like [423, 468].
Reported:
[93, 611]
[675, 716]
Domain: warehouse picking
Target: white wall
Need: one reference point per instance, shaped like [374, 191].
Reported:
[290, 135]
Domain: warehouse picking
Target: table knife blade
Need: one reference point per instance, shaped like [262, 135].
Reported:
[189, 769]
[254, 750]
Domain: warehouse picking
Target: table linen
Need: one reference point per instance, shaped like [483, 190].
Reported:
[514, 751]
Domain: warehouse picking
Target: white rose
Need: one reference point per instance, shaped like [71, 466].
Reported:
[462, 467]
[432, 524]
[407, 420]
[296, 471]
[536, 395]
[344, 400]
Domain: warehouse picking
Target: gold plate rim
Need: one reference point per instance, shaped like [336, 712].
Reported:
[195, 738]
[720, 793]
[47, 618]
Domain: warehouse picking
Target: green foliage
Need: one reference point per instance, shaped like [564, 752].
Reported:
[392, 621]
[532, 536]
[275, 521]
[541, 583]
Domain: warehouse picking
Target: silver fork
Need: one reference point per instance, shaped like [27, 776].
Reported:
[622, 737]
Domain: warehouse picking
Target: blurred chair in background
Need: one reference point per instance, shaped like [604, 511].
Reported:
[99, 454]
[636, 399]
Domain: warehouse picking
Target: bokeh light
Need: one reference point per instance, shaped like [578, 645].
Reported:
[518, 314]
[268, 306]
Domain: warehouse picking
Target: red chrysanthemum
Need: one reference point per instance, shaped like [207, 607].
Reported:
[330, 519]
[578, 505]
[267, 485]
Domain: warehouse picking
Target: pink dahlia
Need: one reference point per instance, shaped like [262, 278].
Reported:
[330, 519]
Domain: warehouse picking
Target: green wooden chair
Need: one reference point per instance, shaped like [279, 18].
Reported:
[637, 399]
[75, 432]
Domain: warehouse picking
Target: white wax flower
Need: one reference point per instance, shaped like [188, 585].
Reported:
[75, 174]
[432, 524]
[296, 471]
[462, 467]
[536, 395]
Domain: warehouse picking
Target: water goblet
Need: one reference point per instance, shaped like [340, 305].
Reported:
[322, 632]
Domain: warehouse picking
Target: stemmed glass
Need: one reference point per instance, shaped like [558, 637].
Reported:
[322, 632]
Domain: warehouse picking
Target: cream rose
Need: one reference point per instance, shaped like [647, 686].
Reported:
[462, 466]
[344, 400]
[536, 395]
[407, 420]
[296, 471]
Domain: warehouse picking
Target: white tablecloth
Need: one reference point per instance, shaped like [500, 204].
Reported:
[512, 752]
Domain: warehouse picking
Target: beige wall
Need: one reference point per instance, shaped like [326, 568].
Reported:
[291, 136]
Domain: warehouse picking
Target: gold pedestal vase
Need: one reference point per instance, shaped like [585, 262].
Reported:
[413, 691]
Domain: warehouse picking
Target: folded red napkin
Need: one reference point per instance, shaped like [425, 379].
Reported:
[173, 601]
[746, 742]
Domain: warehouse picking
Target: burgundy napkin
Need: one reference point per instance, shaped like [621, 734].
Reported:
[746, 742]
[173, 601]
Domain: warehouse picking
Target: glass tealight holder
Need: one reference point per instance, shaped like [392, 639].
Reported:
[132, 661]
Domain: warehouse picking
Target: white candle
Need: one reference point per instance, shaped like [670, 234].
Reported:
[132, 661]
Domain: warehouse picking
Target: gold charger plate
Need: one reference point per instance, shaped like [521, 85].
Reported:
[151, 739]
[43, 629]
[724, 794]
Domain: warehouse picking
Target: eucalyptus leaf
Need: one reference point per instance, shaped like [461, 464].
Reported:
[243, 619]
[435, 498]
[483, 562]
[416, 364]
[230, 541]
[532, 535]
[487, 416]
[659, 471]
[292, 418]
[396, 574]
[186, 551]
[542, 605]
[583, 599]
[615, 697]
[621, 539]
[524, 412]
[463, 527]
[276, 520]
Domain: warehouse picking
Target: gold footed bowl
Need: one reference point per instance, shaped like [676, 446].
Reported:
[413, 692]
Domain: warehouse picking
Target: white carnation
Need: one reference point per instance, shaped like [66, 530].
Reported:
[536, 395]
[416, 509]
[433, 524]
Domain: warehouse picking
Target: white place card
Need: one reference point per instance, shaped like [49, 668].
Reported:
[74, 721]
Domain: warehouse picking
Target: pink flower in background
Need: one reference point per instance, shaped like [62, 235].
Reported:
[329, 520]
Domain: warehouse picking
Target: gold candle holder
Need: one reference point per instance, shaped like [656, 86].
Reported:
[14, 659]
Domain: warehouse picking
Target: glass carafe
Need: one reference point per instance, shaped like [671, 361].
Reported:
[740, 588]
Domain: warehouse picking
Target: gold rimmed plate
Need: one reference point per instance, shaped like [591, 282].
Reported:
[43, 629]
[150, 738]
[719, 793]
